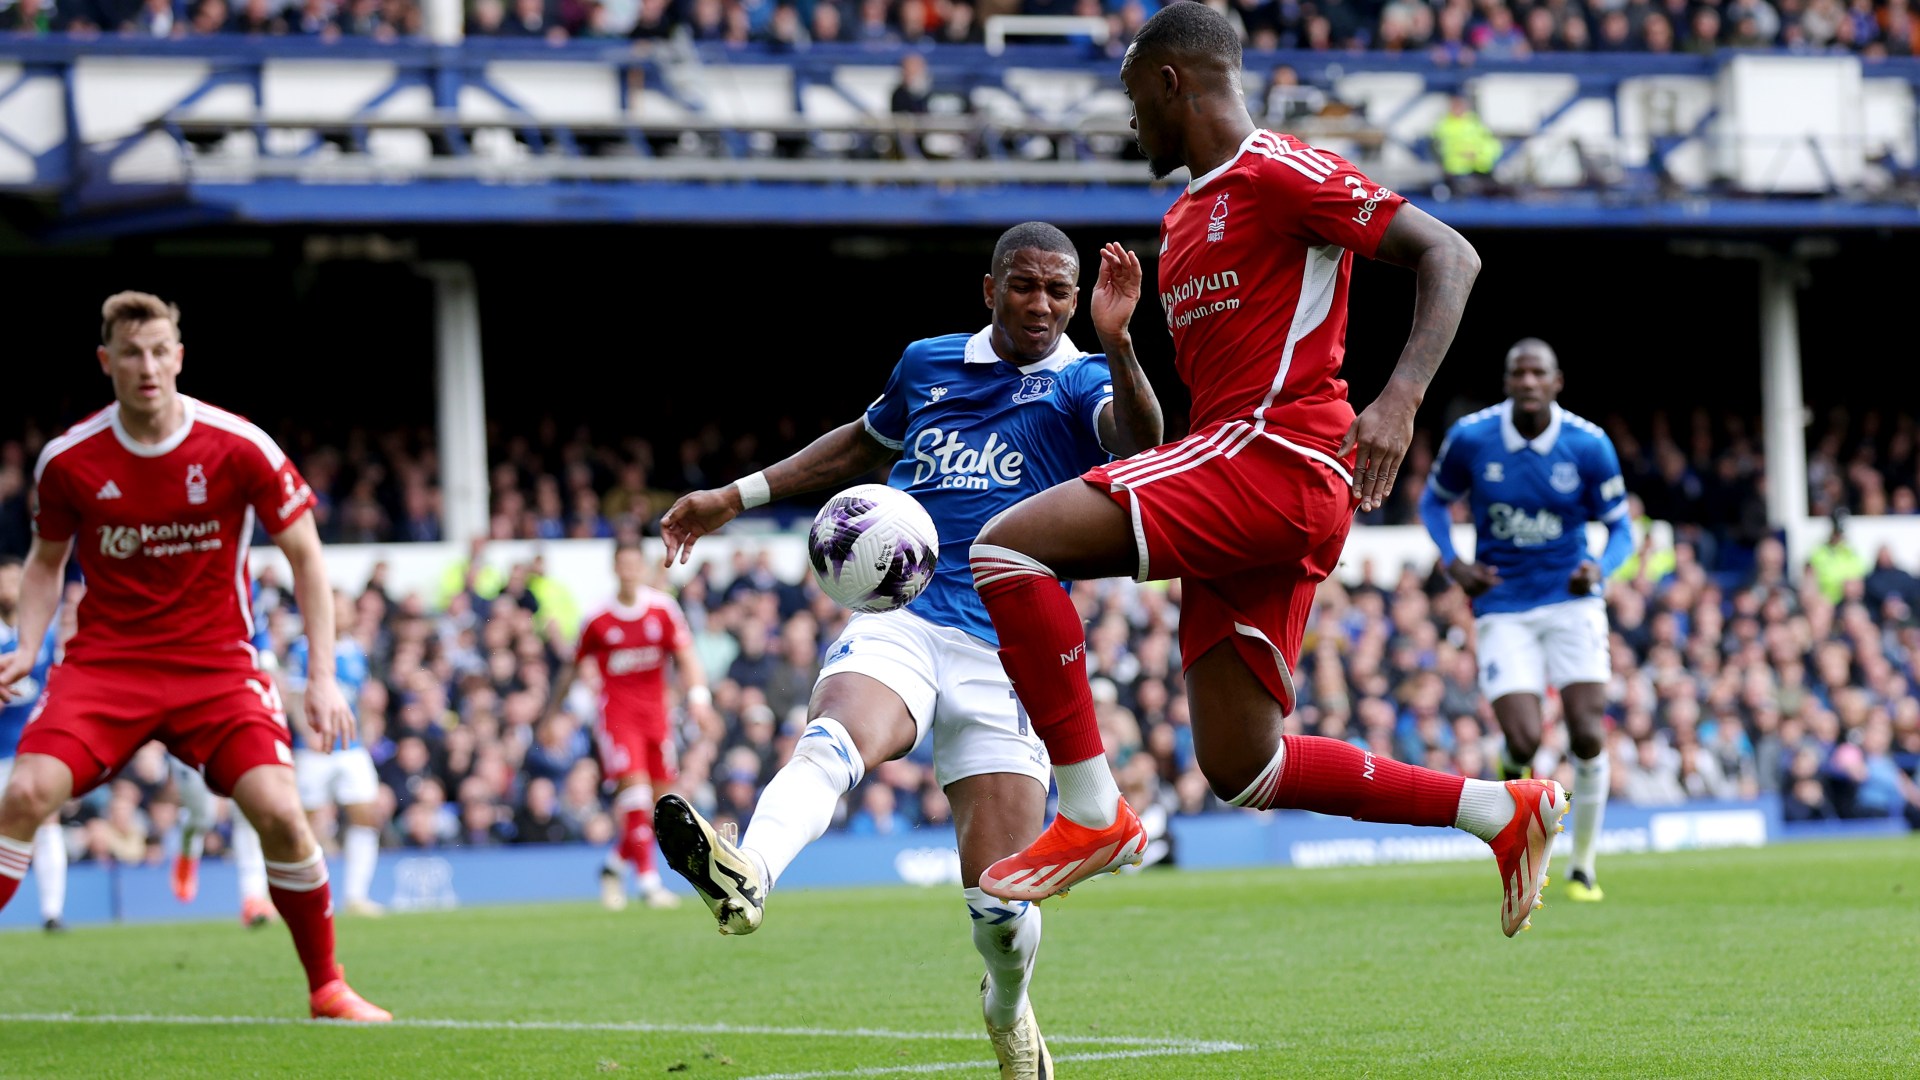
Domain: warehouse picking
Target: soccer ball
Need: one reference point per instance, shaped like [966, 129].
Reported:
[873, 548]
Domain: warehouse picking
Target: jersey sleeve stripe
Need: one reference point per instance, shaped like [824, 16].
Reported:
[891, 444]
[74, 436]
[1616, 514]
[234, 425]
[1295, 164]
[1317, 158]
[1433, 485]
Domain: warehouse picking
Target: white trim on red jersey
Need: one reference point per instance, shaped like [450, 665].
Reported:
[235, 424]
[240, 586]
[72, 437]
[165, 446]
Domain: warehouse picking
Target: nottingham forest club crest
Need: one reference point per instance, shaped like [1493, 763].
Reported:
[1033, 388]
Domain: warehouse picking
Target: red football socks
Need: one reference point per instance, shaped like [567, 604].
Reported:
[636, 839]
[1043, 646]
[1329, 776]
[15, 857]
[300, 893]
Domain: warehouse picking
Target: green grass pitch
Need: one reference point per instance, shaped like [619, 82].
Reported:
[1801, 960]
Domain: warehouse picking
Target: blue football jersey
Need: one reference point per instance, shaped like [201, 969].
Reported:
[1531, 500]
[15, 714]
[977, 434]
[350, 669]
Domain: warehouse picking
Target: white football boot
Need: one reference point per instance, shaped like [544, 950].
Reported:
[725, 879]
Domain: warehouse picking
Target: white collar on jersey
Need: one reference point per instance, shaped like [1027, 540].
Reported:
[1199, 182]
[159, 449]
[1539, 444]
[980, 350]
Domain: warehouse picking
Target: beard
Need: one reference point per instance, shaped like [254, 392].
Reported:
[1164, 166]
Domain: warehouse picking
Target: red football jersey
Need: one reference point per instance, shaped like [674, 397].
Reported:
[162, 532]
[1254, 261]
[630, 645]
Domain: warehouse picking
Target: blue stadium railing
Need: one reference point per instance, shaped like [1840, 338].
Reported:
[84, 171]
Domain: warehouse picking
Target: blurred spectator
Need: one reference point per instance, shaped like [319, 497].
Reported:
[1462, 143]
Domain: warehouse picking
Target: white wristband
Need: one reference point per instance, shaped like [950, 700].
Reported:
[699, 695]
[753, 491]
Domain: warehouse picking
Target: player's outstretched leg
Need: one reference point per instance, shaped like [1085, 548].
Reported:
[1238, 741]
[37, 786]
[993, 814]
[1071, 531]
[727, 880]
[297, 884]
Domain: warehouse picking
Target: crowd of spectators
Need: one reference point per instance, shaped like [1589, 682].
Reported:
[1703, 472]
[1730, 676]
[1451, 31]
[1723, 686]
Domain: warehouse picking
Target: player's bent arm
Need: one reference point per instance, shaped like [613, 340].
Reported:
[1619, 546]
[845, 453]
[1132, 421]
[39, 599]
[1437, 515]
[327, 715]
[1445, 266]
[842, 454]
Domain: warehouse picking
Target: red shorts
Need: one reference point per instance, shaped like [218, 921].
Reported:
[631, 751]
[1250, 523]
[94, 717]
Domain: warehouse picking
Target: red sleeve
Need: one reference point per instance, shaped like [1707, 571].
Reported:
[277, 491]
[589, 646]
[54, 517]
[1323, 199]
[680, 635]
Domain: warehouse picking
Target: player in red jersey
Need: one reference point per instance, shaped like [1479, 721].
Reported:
[630, 644]
[1252, 509]
[157, 496]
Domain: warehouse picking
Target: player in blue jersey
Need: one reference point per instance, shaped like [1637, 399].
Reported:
[49, 846]
[346, 777]
[1535, 475]
[974, 423]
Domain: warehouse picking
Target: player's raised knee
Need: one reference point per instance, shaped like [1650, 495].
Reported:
[1228, 779]
[38, 785]
[994, 564]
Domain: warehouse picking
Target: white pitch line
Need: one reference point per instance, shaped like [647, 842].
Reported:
[1151, 1045]
[952, 1066]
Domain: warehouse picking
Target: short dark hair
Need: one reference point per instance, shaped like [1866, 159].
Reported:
[1191, 28]
[627, 545]
[11, 560]
[1537, 347]
[1031, 236]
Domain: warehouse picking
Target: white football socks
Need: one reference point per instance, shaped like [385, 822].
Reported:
[799, 801]
[1088, 795]
[1591, 781]
[361, 846]
[1485, 809]
[50, 869]
[248, 862]
[1007, 933]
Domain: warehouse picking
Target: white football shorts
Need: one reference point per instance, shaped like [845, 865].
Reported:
[344, 777]
[1558, 645]
[954, 685]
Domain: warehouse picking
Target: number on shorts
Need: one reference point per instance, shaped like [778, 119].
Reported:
[1019, 710]
[269, 696]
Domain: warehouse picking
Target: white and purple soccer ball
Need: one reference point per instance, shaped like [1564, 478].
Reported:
[873, 548]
